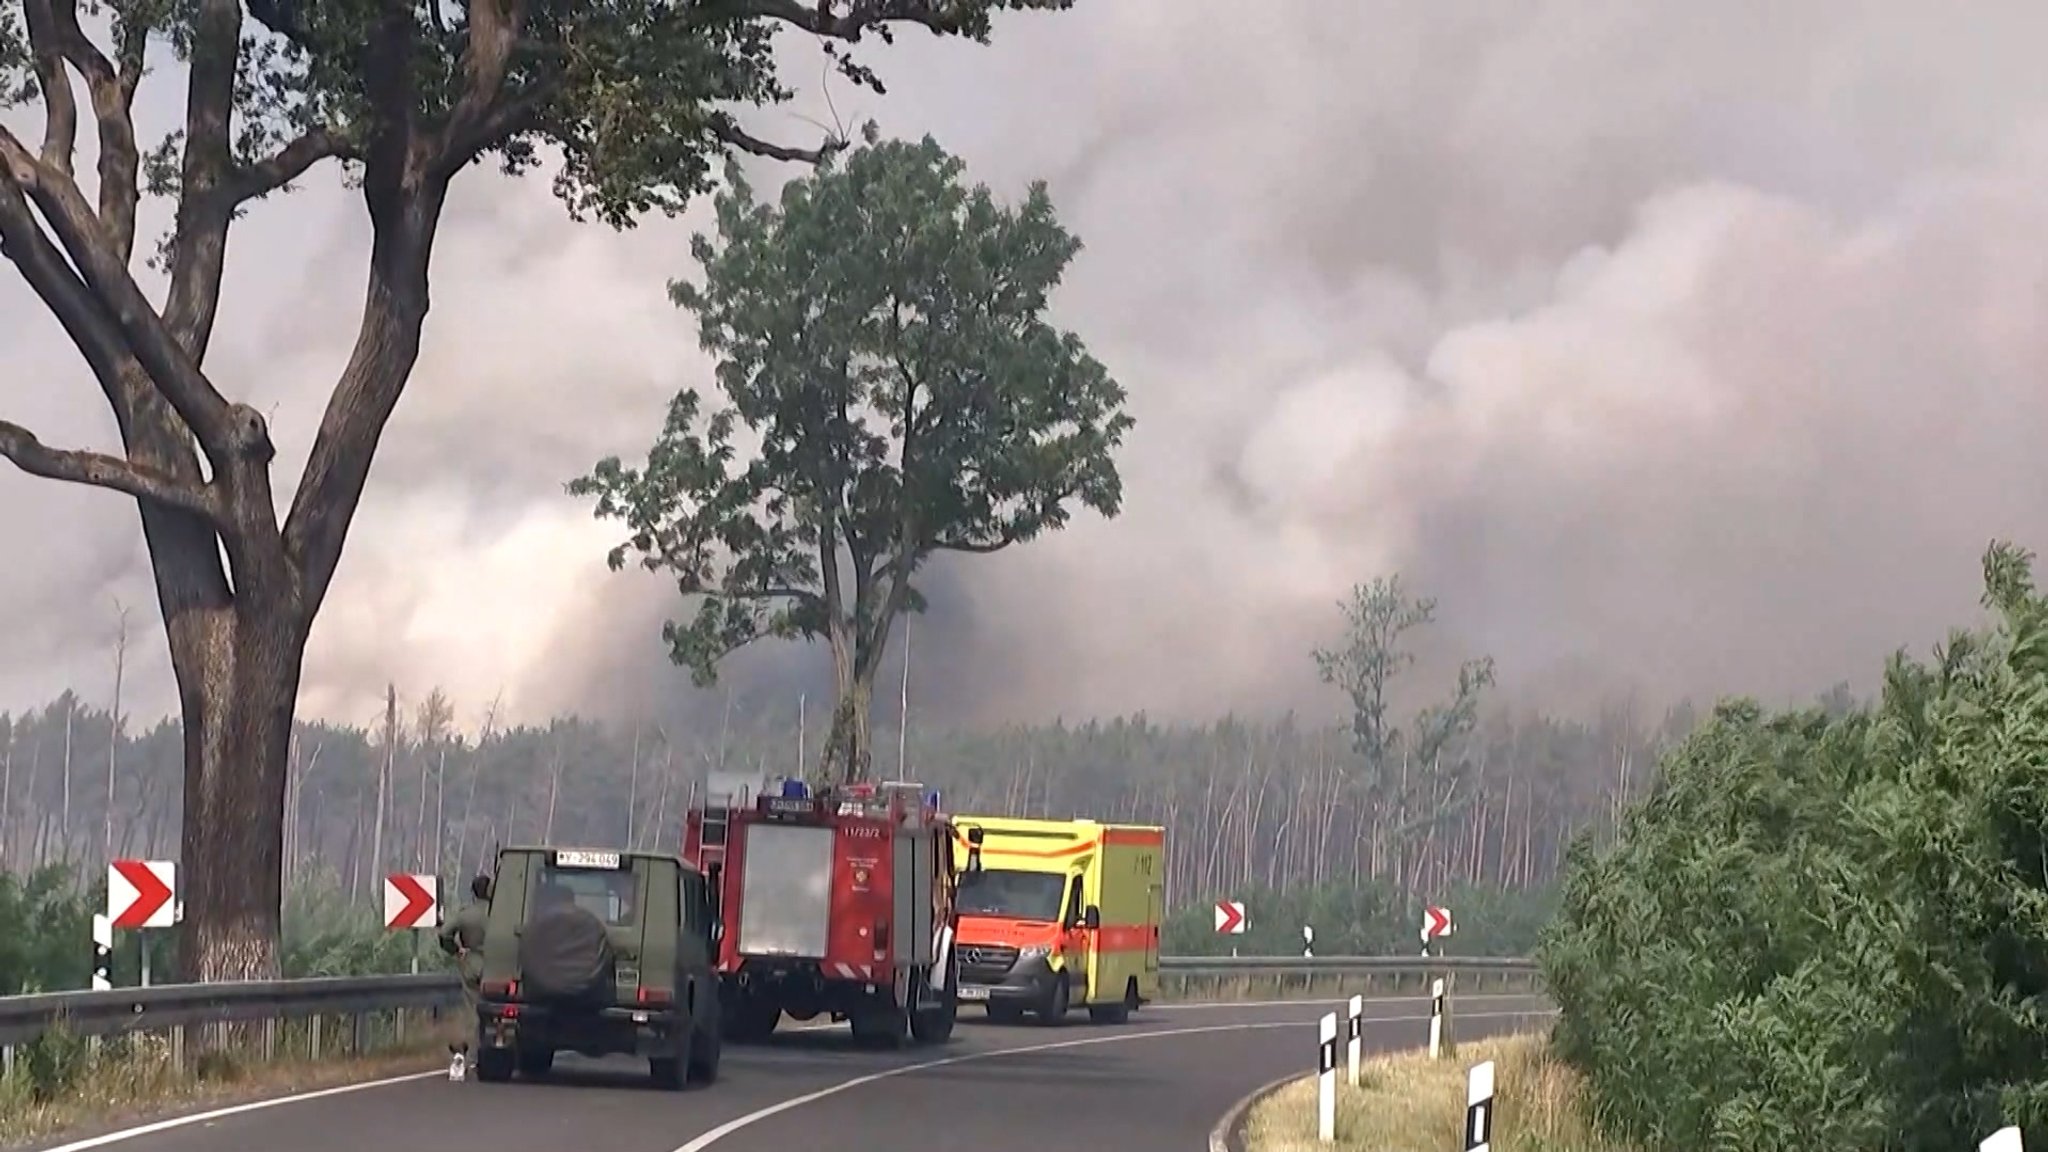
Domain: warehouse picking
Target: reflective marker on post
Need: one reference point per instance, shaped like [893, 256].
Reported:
[1479, 1108]
[1436, 1018]
[102, 952]
[1355, 1037]
[2004, 1140]
[1326, 1081]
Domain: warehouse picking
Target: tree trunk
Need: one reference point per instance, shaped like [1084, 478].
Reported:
[848, 753]
[238, 680]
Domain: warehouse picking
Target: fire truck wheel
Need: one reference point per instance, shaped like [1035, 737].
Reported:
[880, 1027]
[934, 1025]
[748, 1020]
[1005, 1013]
[536, 1062]
[1054, 1012]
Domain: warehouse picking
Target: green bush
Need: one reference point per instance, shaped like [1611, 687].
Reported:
[1830, 928]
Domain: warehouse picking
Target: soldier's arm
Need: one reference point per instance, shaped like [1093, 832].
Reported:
[449, 931]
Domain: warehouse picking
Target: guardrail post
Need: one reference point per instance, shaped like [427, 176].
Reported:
[313, 1041]
[178, 1049]
[6, 1061]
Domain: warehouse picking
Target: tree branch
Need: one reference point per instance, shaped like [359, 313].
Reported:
[819, 19]
[206, 205]
[60, 107]
[141, 330]
[99, 470]
[494, 30]
[54, 30]
[295, 159]
[731, 134]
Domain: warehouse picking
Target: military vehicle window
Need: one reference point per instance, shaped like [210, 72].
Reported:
[1017, 895]
[696, 903]
[607, 895]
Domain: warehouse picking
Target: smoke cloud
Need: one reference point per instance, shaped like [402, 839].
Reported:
[1676, 349]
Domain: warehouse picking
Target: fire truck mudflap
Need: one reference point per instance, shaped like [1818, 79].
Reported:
[835, 903]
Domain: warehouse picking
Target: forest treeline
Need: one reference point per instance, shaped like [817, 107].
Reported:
[1267, 805]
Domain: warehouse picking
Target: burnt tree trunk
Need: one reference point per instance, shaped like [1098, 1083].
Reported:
[236, 687]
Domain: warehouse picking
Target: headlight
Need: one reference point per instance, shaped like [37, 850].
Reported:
[1034, 952]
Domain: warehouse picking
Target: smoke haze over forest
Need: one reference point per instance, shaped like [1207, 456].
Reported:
[1674, 348]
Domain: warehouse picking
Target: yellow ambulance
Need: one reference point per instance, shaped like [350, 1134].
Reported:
[1057, 915]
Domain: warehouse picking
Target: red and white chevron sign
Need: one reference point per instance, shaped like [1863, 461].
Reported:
[1435, 922]
[141, 893]
[412, 901]
[1230, 917]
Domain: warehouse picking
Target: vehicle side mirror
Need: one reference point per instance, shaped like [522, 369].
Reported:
[974, 838]
[1091, 917]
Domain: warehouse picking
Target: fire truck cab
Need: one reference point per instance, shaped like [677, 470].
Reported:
[836, 902]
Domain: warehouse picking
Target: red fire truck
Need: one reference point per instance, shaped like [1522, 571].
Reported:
[836, 902]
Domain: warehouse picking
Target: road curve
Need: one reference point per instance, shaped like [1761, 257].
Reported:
[1156, 1084]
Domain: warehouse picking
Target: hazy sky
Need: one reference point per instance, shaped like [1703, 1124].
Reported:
[1672, 346]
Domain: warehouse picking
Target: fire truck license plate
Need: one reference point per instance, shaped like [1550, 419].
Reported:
[973, 992]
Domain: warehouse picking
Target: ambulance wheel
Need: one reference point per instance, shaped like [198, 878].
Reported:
[666, 1072]
[1118, 1012]
[1054, 1012]
[494, 1065]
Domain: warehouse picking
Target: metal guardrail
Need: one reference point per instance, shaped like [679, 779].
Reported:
[173, 1008]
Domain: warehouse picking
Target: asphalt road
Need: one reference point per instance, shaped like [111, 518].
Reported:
[1157, 1084]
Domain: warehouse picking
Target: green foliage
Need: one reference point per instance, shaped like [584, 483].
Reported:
[881, 333]
[1829, 928]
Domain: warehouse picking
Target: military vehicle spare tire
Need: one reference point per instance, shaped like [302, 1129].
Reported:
[566, 955]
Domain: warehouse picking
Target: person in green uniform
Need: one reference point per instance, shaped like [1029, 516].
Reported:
[463, 938]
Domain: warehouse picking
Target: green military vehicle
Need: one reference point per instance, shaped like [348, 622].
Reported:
[602, 953]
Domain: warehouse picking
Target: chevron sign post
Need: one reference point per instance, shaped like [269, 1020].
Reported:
[412, 903]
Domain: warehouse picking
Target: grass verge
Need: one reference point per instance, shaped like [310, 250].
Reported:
[1409, 1103]
[134, 1080]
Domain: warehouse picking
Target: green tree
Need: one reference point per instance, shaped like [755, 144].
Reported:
[882, 333]
[635, 95]
[1405, 781]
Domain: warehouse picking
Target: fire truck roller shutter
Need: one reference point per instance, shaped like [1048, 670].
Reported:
[786, 891]
[914, 863]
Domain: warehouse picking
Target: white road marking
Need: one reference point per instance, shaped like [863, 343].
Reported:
[124, 1135]
[236, 1110]
[750, 1119]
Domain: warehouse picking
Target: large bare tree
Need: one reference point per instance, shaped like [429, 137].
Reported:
[635, 98]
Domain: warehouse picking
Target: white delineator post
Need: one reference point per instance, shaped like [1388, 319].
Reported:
[1355, 1035]
[1326, 1081]
[102, 953]
[2004, 1140]
[1436, 1018]
[1479, 1108]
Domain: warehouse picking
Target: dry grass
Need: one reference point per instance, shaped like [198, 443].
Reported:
[136, 1080]
[1408, 1103]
